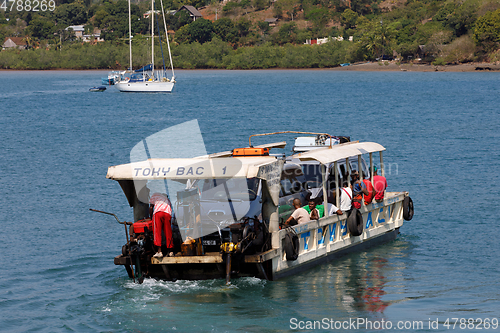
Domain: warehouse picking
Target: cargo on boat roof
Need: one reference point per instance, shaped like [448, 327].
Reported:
[229, 216]
[327, 155]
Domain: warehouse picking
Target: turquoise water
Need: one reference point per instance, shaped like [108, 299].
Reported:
[58, 139]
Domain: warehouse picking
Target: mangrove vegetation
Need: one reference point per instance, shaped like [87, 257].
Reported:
[251, 34]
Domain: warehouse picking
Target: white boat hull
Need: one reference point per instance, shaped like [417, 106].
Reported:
[326, 239]
[147, 86]
[320, 241]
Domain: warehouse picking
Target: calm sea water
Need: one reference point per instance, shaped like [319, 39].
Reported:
[58, 139]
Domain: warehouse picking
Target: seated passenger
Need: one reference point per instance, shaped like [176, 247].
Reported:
[380, 184]
[358, 189]
[332, 210]
[346, 197]
[371, 191]
[313, 210]
[299, 215]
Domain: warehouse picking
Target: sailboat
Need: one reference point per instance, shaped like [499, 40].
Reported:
[146, 79]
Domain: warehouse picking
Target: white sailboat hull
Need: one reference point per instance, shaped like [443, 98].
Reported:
[147, 86]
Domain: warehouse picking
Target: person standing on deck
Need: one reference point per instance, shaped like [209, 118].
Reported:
[358, 189]
[380, 184]
[162, 214]
[346, 197]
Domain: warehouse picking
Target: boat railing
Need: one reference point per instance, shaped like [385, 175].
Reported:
[320, 237]
[161, 75]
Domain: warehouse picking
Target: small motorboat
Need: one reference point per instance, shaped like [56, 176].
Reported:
[100, 88]
[113, 77]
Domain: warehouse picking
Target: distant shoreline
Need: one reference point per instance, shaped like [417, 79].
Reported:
[408, 67]
[385, 66]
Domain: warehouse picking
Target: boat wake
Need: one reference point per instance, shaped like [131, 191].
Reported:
[190, 286]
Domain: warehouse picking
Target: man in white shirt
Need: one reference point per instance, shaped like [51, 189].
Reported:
[332, 210]
[300, 215]
[345, 197]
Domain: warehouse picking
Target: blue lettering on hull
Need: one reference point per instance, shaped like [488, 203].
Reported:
[343, 228]
[380, 214]
[321, 239]
[305, 235]
[332, 228]
[369, 221]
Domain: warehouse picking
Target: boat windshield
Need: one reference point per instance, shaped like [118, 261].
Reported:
[238, 189]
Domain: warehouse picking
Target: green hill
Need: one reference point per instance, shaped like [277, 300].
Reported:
[235, 34]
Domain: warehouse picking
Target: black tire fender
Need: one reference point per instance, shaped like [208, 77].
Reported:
[291, 245]
[355, 223]
[407, 208]
[246, 231]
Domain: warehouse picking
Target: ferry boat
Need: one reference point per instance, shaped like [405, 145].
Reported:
[223, 230]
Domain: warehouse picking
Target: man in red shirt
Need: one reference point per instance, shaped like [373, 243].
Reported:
[162, 214]
[371, 191]
[380, 184]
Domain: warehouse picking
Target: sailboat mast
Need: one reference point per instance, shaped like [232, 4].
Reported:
[130, 34]
[152, 37]
[168, 43]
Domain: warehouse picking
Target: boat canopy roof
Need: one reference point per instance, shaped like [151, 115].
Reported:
[144, 69]
[198, 168]
[339, 152]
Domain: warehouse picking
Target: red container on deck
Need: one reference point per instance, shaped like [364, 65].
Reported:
[140, 226]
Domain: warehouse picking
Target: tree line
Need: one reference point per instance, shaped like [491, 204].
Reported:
[437, 31]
